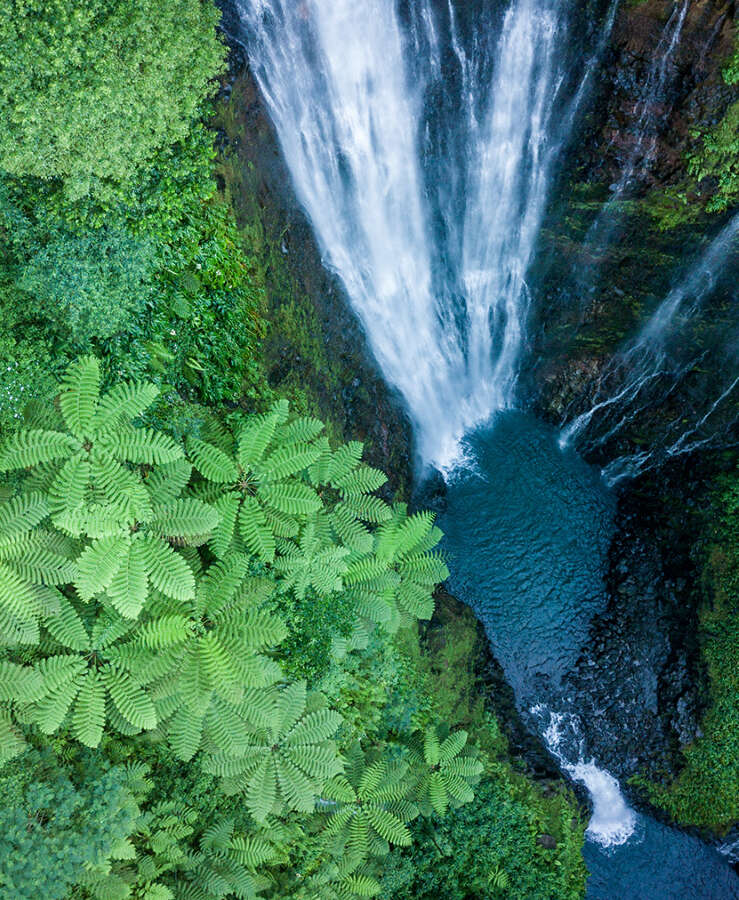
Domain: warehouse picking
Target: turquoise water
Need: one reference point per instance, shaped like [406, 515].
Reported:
[527, 529]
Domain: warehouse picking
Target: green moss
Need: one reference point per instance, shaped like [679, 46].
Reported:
[705, 793]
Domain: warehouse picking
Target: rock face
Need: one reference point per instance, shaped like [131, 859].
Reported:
[638, 679]
[690, 96]
[610, 247]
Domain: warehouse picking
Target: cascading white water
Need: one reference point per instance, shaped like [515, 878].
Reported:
[347, 101]
[613, 821]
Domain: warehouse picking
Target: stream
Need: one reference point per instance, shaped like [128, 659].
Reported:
[527, 528]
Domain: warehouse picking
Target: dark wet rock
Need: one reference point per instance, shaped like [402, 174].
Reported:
[547, 841]
[639, 684]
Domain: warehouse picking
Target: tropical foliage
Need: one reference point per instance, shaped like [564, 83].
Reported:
[212, 681]
[141, 582]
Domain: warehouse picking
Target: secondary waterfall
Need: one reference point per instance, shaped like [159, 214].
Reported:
[650, 367]
[435, 268]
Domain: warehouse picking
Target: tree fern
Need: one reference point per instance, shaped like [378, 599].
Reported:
[206, 683]
[80, 680]
[445, 770]
[287, 762]
[366, 809]
[78, 398]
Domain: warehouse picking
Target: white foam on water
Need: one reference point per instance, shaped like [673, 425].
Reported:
[613, 821]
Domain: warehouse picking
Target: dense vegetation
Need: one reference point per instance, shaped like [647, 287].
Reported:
[177, 720]
[129, 251]
[706, 790]
[214, 680]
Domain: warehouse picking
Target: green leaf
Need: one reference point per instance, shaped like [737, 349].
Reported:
[167, 570]
[32, 446]
[187, 518]
[184, 730]
[261, 793]
[130, 699]
[21, 683]
[288, 460]
[292, 498]
[67, 627]
[255, 531]
[68, 491]
[255, 438]
[211, 462]
[17, 596]
[11, 742]
[164, 631]
[142, 446]
[99, 564]
[123, 402]
[228, 507]
[79, 396]
[19, 515]
[129, 586]
[88, 717]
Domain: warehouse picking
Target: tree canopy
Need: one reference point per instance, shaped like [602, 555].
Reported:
[88, 91]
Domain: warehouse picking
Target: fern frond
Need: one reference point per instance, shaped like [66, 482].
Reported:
[129, 698]
[389, 827]
[186, 518]
[129, 587]
[255, 438]
[18, 597]
[88, 716]
[362, 480]
[20, 515]
[221, 539]
[125, 495]
[69, 488]
[352, 532]
[141, 446]
[22, 683]
[166, 482]
[415, 599]
[428, 568]
[11, 741]
[368, 508]
[61, 677]
[32, 446]
[211, 462]
[288, 460]
[292, 498]
[184, 731]
[344, 460]
[255, 531]
[300, 431]
[167, 570]
[250, 851]
[99, 563]
[79, 395]
[67, 627]
[122, 403]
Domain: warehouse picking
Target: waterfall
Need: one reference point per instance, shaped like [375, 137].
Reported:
[613, 821]
[435, 268]
[650, 367]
